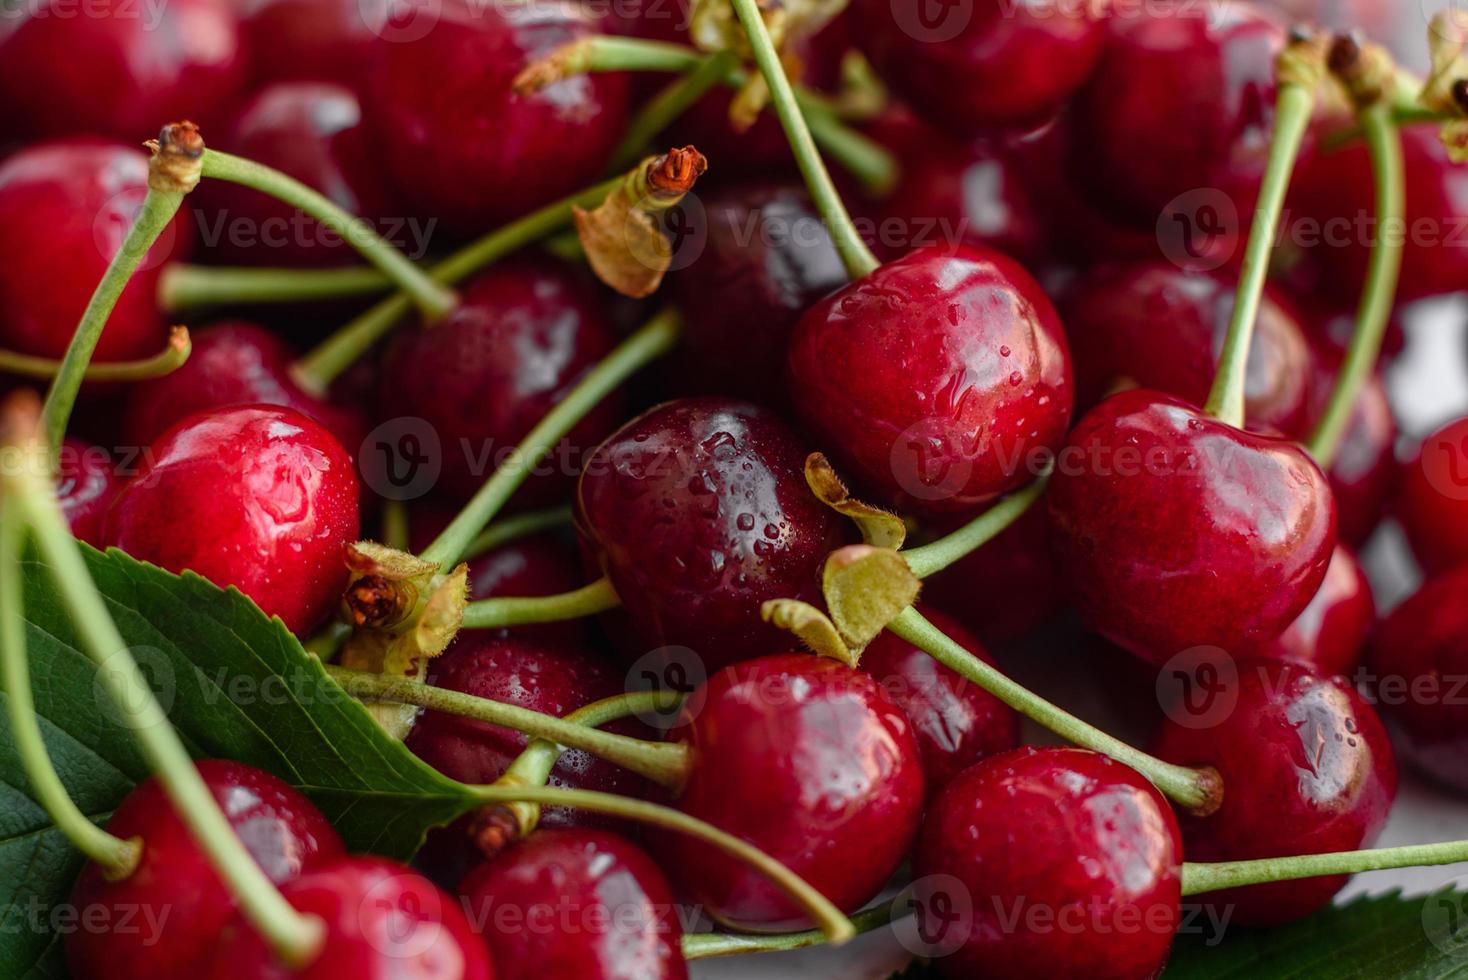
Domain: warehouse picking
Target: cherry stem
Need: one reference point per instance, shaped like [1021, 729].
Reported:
[512, 529]
[1200, 878]
[1384, 144]
[588, 600]
[669, 104]
[855, 255]
[649, 342]
[665, 763]
[837, 927]
[395, 524]
[1200, 791]
[295, 938]
[707, 945]
[116, 857]
[434, 300]
[169, 360]
[324, 364]
[1295, 104]
[933, 558]
[183, 287]
[1412, 115]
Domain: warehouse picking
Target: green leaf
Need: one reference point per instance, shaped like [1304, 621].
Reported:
[237, 685]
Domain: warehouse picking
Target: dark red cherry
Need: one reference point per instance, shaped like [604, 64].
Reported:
[311, 131]
[1330, 636]
[1307, 769]
[260, 498]
[936, 380]
[811, 762]
[1157, 326]
[623, 922]
[1049, 862]
[975, 66]
[1366, 472]
[699, 513]
[453, 135]
[65, 209]
[120, 69]
[1179, 103]
[233, 363]
[1418, 666]
[383, 922]
[1433, 507]
[1155, 506]
[313, 40]
[175, 883]
[523, 335]
[87, 479]
[956, 722]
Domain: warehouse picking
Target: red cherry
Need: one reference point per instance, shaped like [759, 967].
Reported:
[382, 920]
[117, 69]
[956, 722]
[1155, 506]
[65, 209]
[1082, 849]
[809, 761]
[577, 905]
[87, 481]
[982, 65]
[1330, 636]
[452, 133]
[1307, 769]
[1162, 327]
[232, 364]
[259, 498]
[174, 882]
[523, 334]
[1364, 476]
[699, 513]
[312, 40]
[1418, 662]
[1433, 507]
[936, 379]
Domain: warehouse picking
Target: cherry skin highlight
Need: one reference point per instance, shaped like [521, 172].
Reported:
[283, 831]
[699, 513]
[1047, 832]
[1174, 530]
[1330, 636]
[623, 921]
[936, 380]
[260, 498]
[1433, 507]
[87, 480]
[1308, 769]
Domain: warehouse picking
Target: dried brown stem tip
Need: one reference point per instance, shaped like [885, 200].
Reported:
[494, 828]
[20, 418]
[569, 59]
[178, 158]
[1366, 70]
[373, 601]
[674, 173]
[1345, 54]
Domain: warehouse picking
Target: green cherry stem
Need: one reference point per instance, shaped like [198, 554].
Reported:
[669, 104]
[707, 945]
[170, 359]
[1200, 878]
[433, 298]
[588, 600]
[855, 255]
[665, 763]
[183, 287]
[933, 558]
[1198, 790]
[649, 342]
[512, 529]
[1384, 144]
[116, 857]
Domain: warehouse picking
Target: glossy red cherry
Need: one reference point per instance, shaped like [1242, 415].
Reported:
[1307, 769]
[1062, 863]
[454, 136]
[935, 380]
[1418, 667]
[383, 921]
[1330, 636]
[956, 722]
[544, 564]
[313, 40]
[523, 334]
[699, 513]
[259, 498]
[65, 209]
[1155, 506]
[120, 69]
[87, 479]
[811, 762]
[1433, 507]
[576, 905]
[1158, 326]
[232, 364]
[1365, 473]
[976, 66]
[175, 889]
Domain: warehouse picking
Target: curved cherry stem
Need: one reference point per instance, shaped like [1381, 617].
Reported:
[707, 945]
[649, 342]
[170, 359]
[669, 104]
[516, 527]
[184, 287]
[1384, 144]
[665, 763]
[1200, 878]
[933, 558]
[433, 299]
[588, 600]
[116, 857]
[1200, 791]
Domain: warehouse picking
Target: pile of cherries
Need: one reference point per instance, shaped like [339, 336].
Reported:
[1050, 324]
